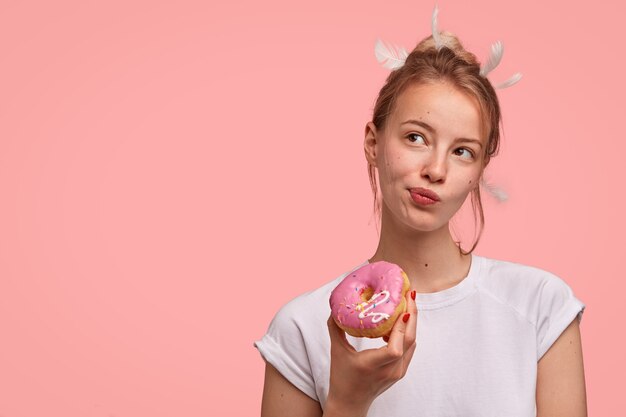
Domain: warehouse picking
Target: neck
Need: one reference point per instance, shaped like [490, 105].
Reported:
[431, 259]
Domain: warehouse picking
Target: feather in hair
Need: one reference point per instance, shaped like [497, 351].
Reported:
[497, 49]
[391, 57]
[435, 30]
[512, 80]
[498, 193]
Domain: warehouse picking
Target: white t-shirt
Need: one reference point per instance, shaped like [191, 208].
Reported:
[478, 343]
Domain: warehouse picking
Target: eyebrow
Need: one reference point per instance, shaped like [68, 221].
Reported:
[433, 131]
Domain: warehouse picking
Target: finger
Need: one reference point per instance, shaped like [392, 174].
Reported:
[406, 358]
[404, 361]
[395, 347]
[337, 335]
[411, 330]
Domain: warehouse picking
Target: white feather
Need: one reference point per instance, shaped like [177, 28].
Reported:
[512, 80]
[498, 193]
[391, 57]
[435, 30]
[497, 49]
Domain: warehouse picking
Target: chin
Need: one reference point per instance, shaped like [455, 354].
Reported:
[425, 225]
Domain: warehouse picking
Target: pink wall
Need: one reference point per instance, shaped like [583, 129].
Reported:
[171, 174]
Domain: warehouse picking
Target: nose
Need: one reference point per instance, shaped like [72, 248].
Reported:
[435, 167]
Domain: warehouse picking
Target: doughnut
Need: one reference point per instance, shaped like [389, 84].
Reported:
[367, 302]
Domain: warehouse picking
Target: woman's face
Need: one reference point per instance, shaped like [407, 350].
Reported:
[425, 145]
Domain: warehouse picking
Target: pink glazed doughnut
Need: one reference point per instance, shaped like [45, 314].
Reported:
[367, 302]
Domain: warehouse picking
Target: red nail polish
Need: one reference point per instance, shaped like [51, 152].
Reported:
[413, 294]
[405, 318]
[385, 338]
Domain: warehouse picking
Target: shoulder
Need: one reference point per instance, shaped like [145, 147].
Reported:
[296, 342]
[502, 275]
[544, 299]
[530, 290]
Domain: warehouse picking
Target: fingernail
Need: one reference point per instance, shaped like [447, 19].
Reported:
[385, 338]
[413, 294]
[405, 318]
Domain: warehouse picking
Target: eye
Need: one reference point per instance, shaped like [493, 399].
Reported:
[416, 135]
[471, 154]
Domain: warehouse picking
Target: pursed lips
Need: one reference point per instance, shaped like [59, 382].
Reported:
[425, 192]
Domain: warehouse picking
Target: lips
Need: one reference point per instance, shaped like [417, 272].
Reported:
[425, 192]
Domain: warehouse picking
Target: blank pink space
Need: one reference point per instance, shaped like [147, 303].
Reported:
[172, 173]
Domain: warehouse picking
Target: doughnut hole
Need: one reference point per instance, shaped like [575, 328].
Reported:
[367, 294]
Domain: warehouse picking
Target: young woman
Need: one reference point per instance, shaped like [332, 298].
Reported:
[481, 337]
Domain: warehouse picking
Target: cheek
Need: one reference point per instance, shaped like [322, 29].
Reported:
[471, 182]
[402, 171]
[465, 183]
[397, 165]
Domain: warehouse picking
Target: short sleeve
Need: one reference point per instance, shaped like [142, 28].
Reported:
[558, 307]
[284, 347]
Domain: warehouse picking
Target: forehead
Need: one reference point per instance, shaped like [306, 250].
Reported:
[442, 105]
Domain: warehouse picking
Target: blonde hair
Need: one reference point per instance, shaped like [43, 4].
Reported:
[459, 67]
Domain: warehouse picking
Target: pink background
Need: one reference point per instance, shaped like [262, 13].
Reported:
[172, 173]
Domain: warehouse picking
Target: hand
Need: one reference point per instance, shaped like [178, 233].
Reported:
[357, 378]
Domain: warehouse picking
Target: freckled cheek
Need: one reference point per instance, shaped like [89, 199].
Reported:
[403, 167]
[469, 183]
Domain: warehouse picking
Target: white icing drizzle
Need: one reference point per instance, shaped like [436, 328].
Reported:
[365, 311]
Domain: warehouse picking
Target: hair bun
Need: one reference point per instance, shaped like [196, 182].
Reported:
[450, 41]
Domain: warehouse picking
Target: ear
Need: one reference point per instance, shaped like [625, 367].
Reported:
[370, 144]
